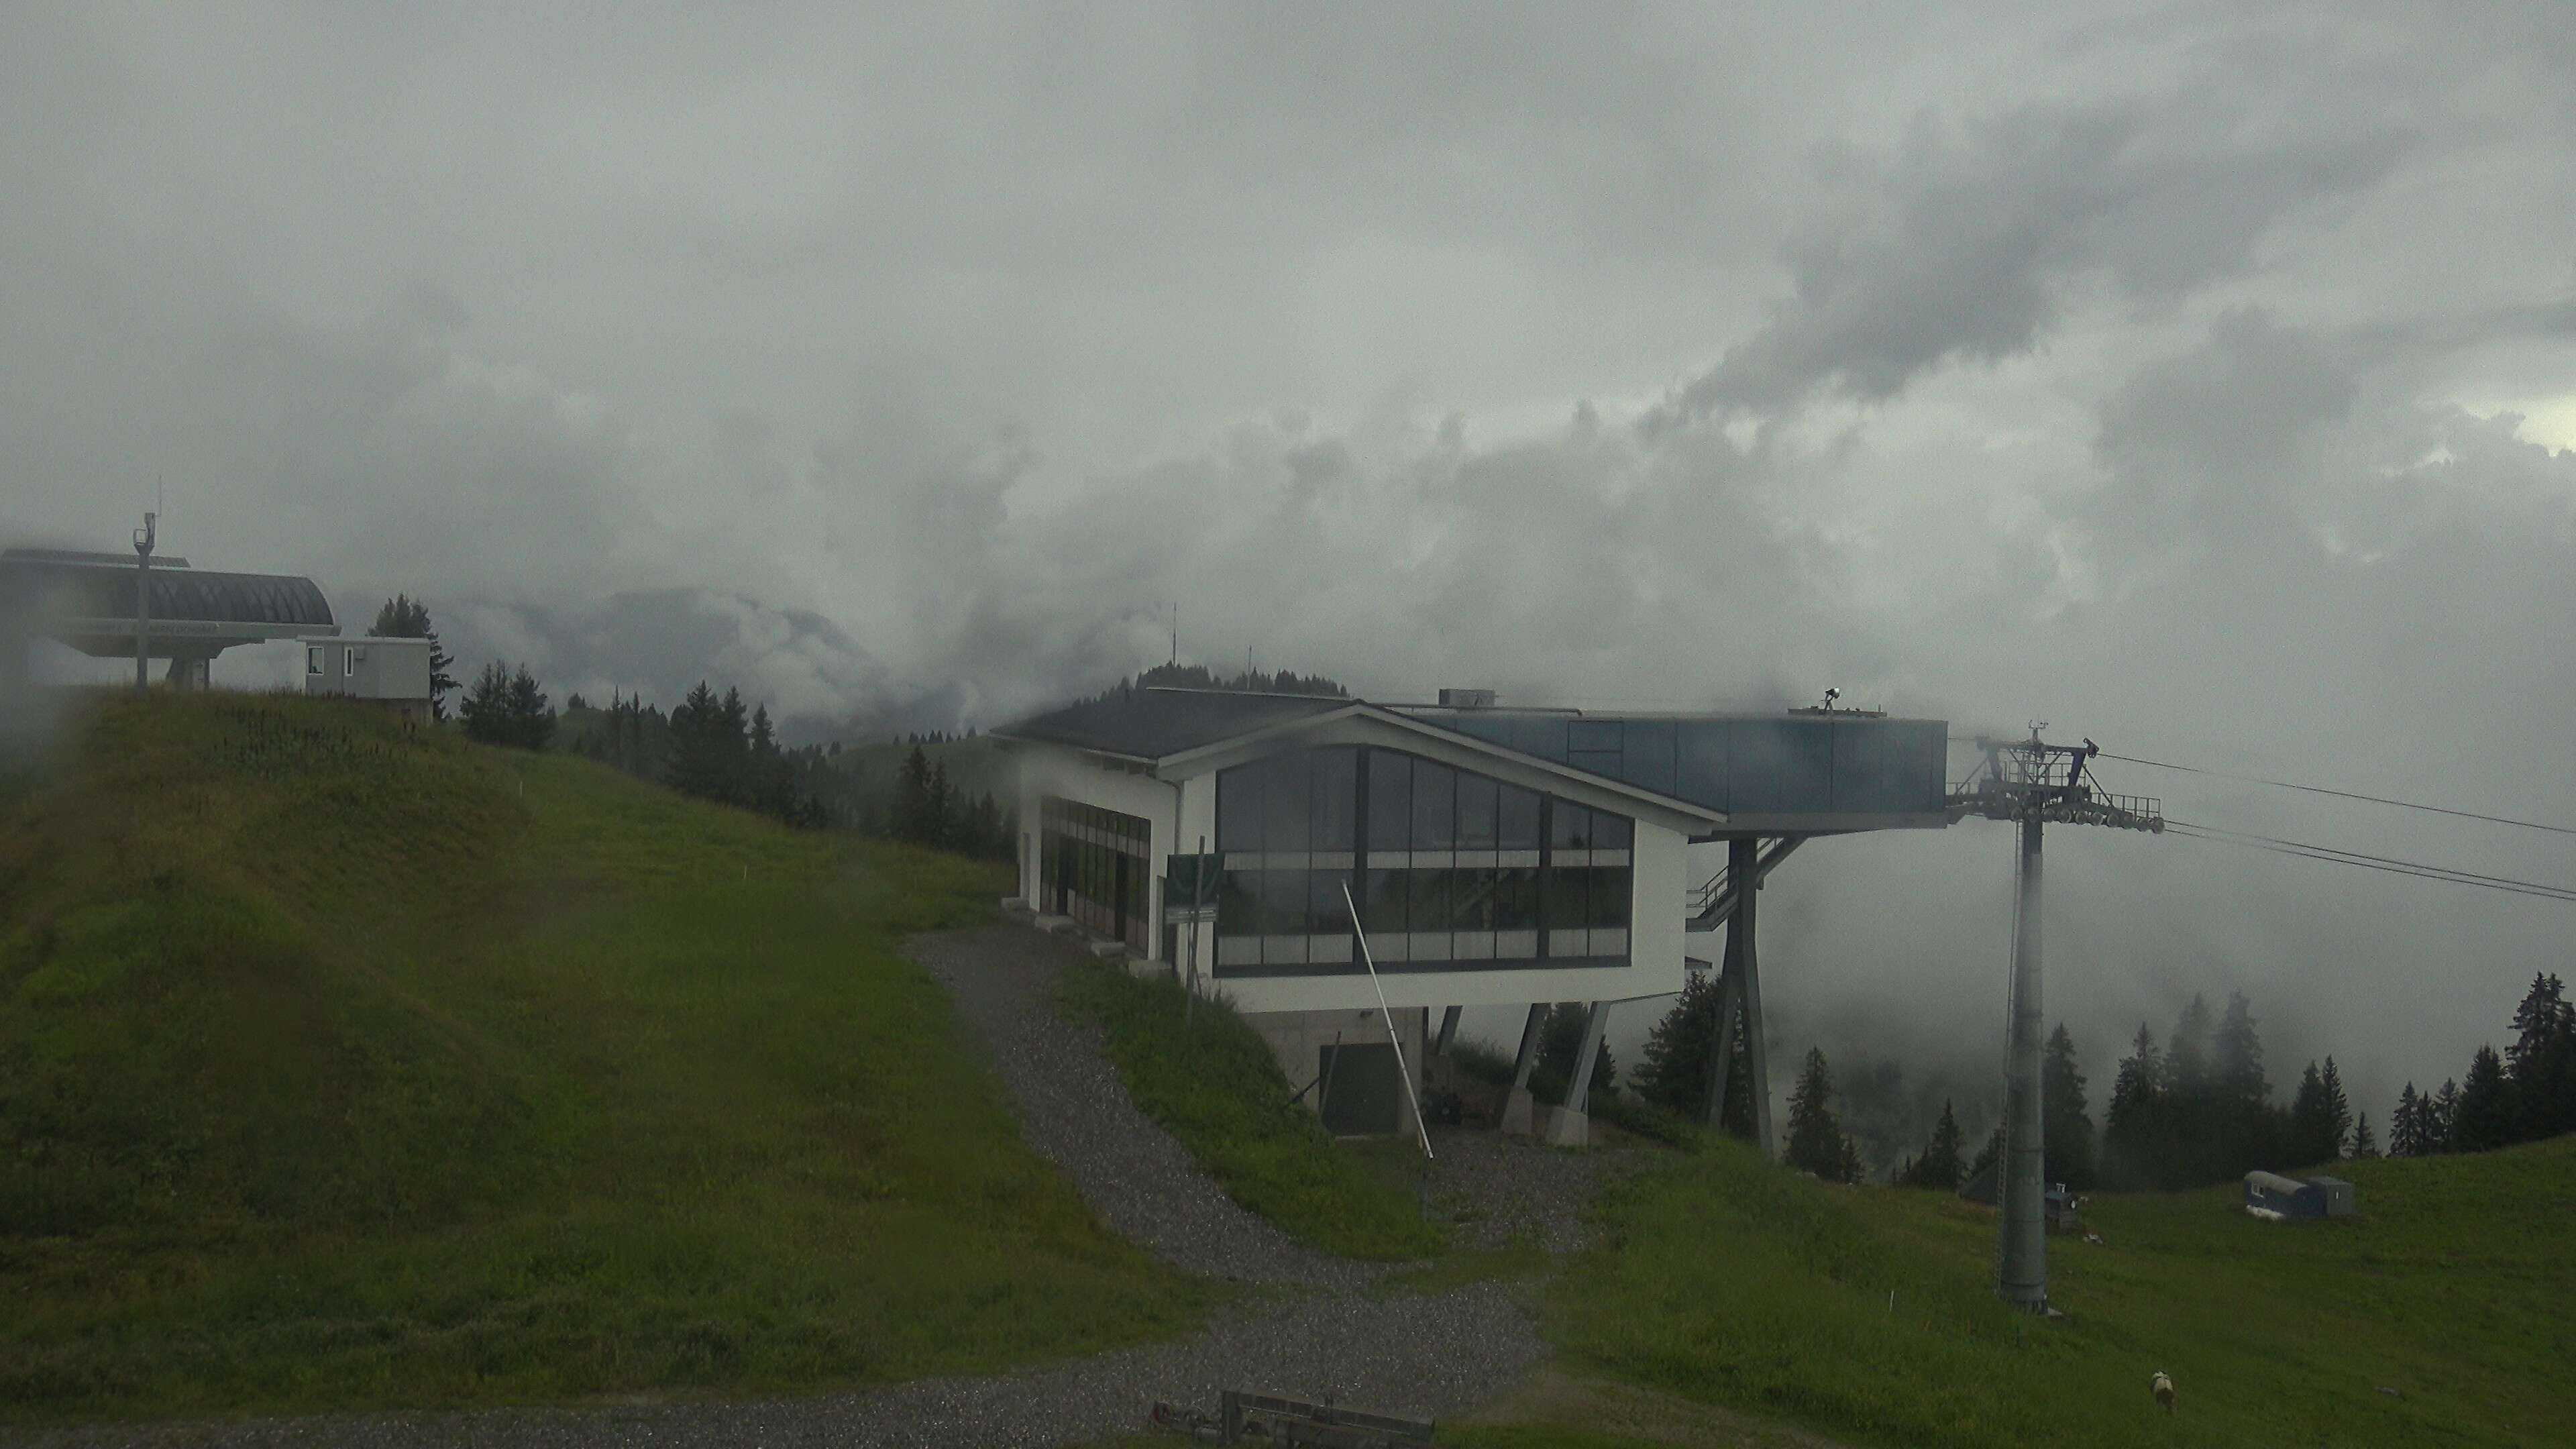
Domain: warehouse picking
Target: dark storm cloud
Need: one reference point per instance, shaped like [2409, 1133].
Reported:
[1963, 244]
[2149, 372]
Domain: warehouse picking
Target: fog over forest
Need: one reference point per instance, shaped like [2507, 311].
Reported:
[2204, 384]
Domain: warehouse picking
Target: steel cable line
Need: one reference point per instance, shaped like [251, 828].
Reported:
[2247, 835]
[2340, 794]
[2418, 869]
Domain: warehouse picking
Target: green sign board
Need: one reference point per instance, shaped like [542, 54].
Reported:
[1190, 884]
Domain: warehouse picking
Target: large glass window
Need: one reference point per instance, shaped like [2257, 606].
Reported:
[1476, 809]
[1285, 803]
[1435, 798]
[1517, 826]
[1390, 801]
[1449, 867]
[1333, 802]
[1093, 866]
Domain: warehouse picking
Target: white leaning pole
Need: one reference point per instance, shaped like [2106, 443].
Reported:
[1392, 1040]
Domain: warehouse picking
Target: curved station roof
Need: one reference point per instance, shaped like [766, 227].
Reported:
[86, 600]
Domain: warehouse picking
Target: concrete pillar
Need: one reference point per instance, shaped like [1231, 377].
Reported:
[1448, 1030]
[1518, 1106]
[1729, 1008]
[1571, 1126]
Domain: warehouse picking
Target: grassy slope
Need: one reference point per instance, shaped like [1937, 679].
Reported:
[342, 1069]
[1213, 1085]
[1738, 1284]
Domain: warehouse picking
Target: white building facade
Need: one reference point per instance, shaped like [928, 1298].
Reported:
[1480, 876]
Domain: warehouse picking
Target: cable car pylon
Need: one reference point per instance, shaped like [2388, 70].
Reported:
[2032, 783]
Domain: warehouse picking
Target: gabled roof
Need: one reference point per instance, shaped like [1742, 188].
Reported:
[1150, 723]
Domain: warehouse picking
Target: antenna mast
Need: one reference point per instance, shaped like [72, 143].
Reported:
[2030, 783]
[144, 538]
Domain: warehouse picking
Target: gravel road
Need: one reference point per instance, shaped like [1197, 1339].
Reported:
[1321, 1336]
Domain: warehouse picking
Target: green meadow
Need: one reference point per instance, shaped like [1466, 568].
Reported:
[343, 1067]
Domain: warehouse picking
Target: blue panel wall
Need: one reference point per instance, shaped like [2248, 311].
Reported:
[1789, 765]
[1699, 767]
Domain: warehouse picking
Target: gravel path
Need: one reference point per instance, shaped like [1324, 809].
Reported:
[1508, 1189]
[1075, 1113]
[1324, 1338]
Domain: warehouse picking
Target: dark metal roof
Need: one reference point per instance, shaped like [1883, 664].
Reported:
[55, 589]
[89, 592]
[90, 556]
[1151, 723]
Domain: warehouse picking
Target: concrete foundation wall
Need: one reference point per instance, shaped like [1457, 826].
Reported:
[1297, 1040]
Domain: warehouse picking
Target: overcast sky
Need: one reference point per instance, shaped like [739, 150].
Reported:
[2199, 380]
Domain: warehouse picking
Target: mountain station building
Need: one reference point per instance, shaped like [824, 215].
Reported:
[1494, 856]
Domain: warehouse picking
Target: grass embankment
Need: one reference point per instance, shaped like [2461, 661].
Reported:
[1736, 1283]
[1210, 1081]
[341, 1068]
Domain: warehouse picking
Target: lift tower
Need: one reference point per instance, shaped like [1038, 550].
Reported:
[2031, 783]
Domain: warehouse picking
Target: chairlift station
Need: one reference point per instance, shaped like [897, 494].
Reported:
[1498, 856]
[1319, 860]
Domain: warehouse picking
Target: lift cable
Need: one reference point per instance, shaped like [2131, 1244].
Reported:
[2274, 840]
[2342, 794]
[2418, 869]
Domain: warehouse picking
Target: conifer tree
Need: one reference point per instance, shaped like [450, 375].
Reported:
[2186, 1065]
[1561, 1041]
[531, 721]
[2311, 1119]
[913, 811]
[2068, 1144]
[1939, 1166]
[1989, 1159]
[2240, 1132]
[732, 742]
[2363, 1144]
[1672, 1068]
[2133, 1126]
[2406, 1125]
[2483, 1116]
[942, 810]
[2441, 1114]
[2540, 1061]
[1815, 1135]
[2338, 1107]
[486, 710]
[697, 750]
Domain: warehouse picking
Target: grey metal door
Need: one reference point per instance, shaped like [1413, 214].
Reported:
[1363, 1090]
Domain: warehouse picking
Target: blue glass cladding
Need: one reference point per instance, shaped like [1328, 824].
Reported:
[1745, 766]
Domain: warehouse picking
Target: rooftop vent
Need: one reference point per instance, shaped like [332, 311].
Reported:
[1466, 699]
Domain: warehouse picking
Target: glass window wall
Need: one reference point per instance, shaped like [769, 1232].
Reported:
[1449, 868]
[1094, 865]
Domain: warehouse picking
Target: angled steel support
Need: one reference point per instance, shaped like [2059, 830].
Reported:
[1721, 1056]
[1518, 1106]
[1571, 1126]
[1448, 1031]
[1744, 976]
